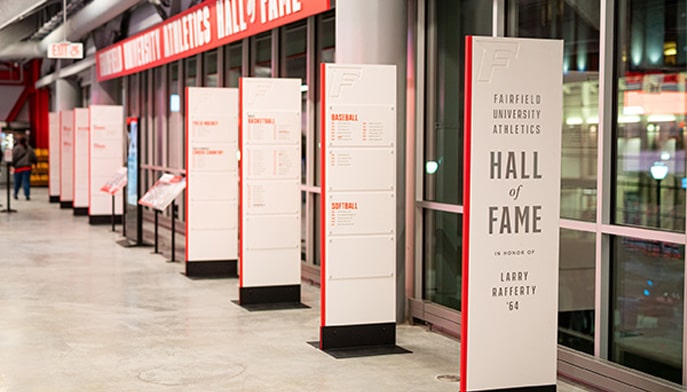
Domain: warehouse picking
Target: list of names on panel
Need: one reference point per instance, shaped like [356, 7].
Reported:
[272, 158]
[212, 174]
[360, 185]
[106, 125]
[67, 156]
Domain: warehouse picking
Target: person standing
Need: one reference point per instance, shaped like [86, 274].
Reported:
[23, 158]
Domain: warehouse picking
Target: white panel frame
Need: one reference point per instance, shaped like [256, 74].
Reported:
[66, 156]
[80, 163]
[218, 108]
[270, 263]
[54, 149]
[364, 93]
[103, 166]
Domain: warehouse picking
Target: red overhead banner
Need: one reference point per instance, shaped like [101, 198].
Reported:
[208, 25]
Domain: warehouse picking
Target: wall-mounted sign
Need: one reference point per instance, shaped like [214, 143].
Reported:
[65, 50]
[513, 117]
[203, 27]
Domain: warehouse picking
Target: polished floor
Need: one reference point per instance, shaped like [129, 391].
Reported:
[80, 313]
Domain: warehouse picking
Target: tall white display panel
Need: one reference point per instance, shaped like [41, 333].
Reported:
[211, 181]
[513, 117]
[358, 262]
[54, 161]
[80, 164]
[66, 158]
[105, 158]
[270, 266]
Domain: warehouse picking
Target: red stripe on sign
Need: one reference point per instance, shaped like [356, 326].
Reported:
[61, 157]
[241, 166]
[188, 176]
[323, 203]
[467, 146]
[89, 161]
[74, 156]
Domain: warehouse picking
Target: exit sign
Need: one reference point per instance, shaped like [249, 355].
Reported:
[65, 50]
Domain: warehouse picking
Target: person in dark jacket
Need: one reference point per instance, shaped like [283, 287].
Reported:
[23, 158]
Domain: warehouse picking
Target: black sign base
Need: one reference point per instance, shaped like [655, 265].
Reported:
[362, 335]
[54, 199]
[269, 295]
[538, 388]
[212, 269]
[104, 219]
[80, 211]
[66, 204]
[363, 351]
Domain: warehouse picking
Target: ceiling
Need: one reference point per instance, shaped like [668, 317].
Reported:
[33, 20]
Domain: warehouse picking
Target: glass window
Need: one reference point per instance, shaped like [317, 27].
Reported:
[442, 251]
[576, 290]
[326, 53]
[652, 101]
[452, 21]
[210, 69]
[234, 67]
[175, 121]
[444, 137]
[191, 71]
[648, 284]
[262, 60]
[578, 27]
[295, 66]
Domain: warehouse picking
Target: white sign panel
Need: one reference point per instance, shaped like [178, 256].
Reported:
[67, 157]
[270, 182]
[359, 195]
[80, 158]
[106, 156]
[511, 219]
[212, 121]
[65, 50]
[54, 149]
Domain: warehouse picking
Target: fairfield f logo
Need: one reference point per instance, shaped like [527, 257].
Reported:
[343, 77]
[495, 54]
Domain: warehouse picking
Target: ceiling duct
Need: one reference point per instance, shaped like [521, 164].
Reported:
[84, 21]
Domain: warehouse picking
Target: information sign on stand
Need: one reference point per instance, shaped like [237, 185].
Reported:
[80, 164]
[66, 159]
[116, 183]
[54, 156]
[106, 145]
[358, 262]
[212, 181]
[513, 117]
[159, 197]
[167, 188]
[270, 262]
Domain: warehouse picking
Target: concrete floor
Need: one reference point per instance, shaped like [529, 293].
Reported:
[80, 313]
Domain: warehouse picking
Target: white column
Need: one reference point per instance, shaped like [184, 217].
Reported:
[105, 93]
[375, 32]
[66, 95]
